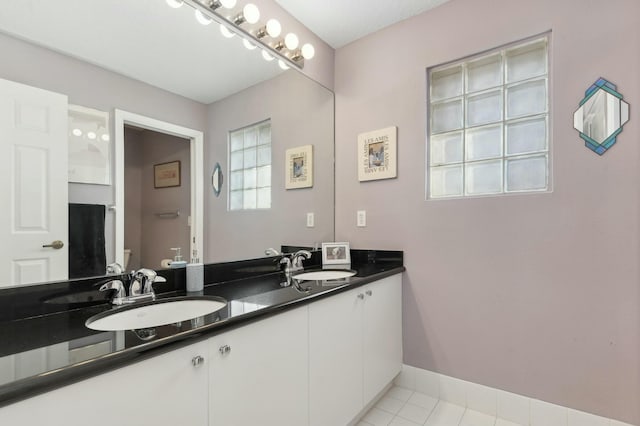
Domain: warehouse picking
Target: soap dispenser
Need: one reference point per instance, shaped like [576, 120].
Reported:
[195, 274]
[177, 260]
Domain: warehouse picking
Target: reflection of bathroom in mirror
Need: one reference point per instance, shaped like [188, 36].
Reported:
[601, 116]
[226, 89]
[156, 219]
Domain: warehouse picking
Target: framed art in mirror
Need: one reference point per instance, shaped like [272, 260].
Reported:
[166, 175]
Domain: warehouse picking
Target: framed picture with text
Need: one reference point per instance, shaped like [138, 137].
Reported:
[377, 154]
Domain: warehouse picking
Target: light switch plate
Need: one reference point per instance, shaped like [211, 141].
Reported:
[361, 218]
[310, 220]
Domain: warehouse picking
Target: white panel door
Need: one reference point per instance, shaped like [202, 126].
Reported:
[33, 171]
[335, 359]
[259, 373]
[382, 334]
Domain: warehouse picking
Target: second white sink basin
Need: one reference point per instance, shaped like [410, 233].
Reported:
[326, 274]
[158, 313]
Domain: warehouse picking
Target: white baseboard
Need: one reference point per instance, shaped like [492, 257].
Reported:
[509, 406]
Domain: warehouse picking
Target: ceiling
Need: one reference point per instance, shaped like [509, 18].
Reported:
[165, 47]
[339, 22]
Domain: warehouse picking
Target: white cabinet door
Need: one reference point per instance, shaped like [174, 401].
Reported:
[335, 358]
[166, 390]
[259, 373]
[355, 341]
[382, 334]
[33, 170]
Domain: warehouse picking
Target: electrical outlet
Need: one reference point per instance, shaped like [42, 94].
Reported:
[361, 218]
[310, 220]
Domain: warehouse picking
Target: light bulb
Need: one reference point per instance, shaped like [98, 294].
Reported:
[105, 137]
[273, 28]
[225, 31]
[267, 56]
[251, 13]
[308, 51]
[248, 44]
[175, 3]
[291, 41]
[91, 135]
[200, 17]
[228, 4]
[77, 132]
[283, 65]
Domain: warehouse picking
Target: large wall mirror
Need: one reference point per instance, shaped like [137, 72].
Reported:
[148, 59]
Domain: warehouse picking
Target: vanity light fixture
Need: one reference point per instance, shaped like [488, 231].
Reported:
[91, 135]
[308, 51]
[175, 3]
[248, 44]
[291, 41]
[271, 29]
[225, 31]
[235, 22]
[282, 65]
[250, 13]
[76, 132]
[200, 17]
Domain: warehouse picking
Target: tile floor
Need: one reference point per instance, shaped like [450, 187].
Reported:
[403, 407]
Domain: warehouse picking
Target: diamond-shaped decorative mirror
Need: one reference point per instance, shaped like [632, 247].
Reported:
[601, 115]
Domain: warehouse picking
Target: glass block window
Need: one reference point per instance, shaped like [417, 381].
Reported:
[489, 123]
[250, 167]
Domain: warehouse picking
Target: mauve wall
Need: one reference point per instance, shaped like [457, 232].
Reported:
[144, 149]
[535, 294]
[301, 113]
[162, 233]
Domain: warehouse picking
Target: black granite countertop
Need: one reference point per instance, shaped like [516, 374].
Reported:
[75, 352]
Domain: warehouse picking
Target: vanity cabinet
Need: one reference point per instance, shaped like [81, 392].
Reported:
[166, 390]
[355, 349]
[258, 373]
[319, 365]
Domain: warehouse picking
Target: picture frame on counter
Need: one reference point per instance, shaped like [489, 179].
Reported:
[336, 253]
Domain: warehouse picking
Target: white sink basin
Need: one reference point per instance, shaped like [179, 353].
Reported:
[324, 275]
[158, 313]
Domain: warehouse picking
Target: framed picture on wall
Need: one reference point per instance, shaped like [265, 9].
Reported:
[377, 154]
[166, 175]
[336, 254]
[299, 164]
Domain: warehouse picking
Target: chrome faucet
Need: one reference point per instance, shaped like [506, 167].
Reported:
[297, 258]
[114, 268]
[293, 264]
[140, 287]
